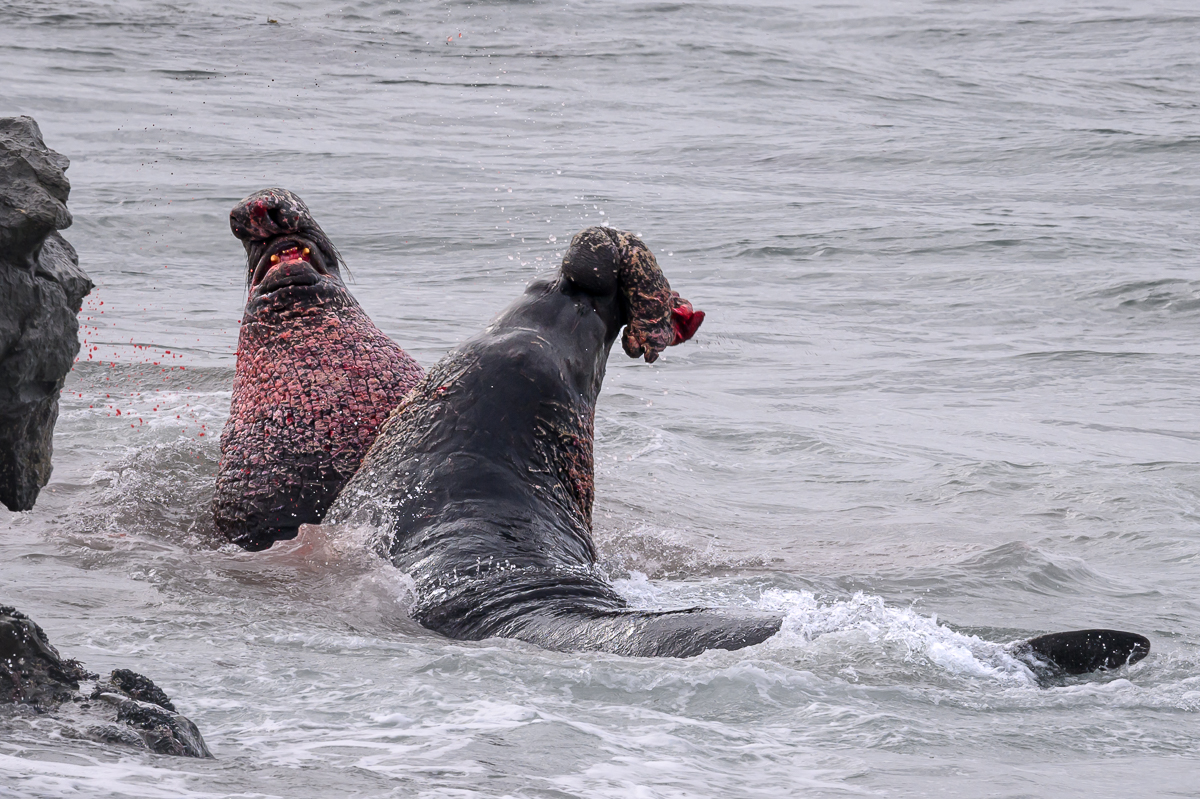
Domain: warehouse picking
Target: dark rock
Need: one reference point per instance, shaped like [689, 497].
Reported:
[128, 709]
[163, 732]
[135, 686]
[31, 670]
[112, 734]
[41, 291]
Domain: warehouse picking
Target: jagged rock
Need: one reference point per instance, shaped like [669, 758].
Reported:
[31, 670]
[41, 291]
[126, 709]
[135, 686]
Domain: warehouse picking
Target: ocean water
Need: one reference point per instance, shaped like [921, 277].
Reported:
[944, 399]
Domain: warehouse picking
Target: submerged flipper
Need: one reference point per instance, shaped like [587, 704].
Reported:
[639, 633]
[573, 610]
[1081, 651]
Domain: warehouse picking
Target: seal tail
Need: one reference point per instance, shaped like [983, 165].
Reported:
[1081, 651]
[636, 633]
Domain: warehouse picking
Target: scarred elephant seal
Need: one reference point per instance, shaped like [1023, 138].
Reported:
[315, 378]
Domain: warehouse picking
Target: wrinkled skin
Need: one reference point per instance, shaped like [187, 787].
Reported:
[483, 477]
[315, 378]
[126, 709]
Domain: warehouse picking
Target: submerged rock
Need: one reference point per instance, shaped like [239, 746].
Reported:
[41, 291]
[127, 708]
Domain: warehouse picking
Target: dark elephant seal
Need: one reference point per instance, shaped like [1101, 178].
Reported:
[482, 477]
[315, 378]
[480, 482]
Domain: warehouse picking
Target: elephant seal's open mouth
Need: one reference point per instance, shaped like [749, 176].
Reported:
[288, 261]
[285, 248]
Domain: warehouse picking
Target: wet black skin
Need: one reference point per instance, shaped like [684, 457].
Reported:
[471, 479]
[1082, 651]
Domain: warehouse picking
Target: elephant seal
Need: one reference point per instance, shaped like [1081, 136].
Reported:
[482, 477]
[480, 483]
[314, 379]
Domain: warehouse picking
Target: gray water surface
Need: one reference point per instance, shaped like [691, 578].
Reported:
[945, 396]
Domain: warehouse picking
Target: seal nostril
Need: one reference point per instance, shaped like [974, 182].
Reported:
[283, 223]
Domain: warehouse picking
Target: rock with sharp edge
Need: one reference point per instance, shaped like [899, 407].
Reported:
[41, 291]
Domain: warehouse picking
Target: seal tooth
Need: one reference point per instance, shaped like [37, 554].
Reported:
[275, 258]
[307, 251]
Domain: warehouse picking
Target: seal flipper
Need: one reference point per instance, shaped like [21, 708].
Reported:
[1081, 651]
[639, 633]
